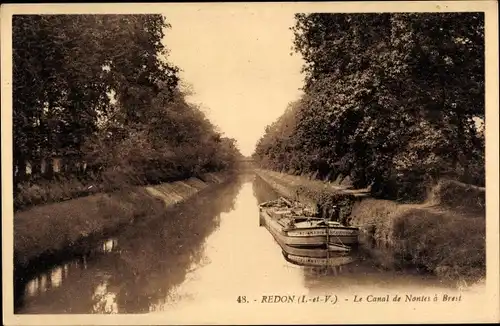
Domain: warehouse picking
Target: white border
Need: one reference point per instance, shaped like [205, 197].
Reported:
[483, 308]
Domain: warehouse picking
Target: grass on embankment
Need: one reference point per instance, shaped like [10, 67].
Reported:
[444, 235]
[48, 229]
[62, 188]
[44, 192]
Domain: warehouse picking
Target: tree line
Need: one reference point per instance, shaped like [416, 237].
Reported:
[394, 101]
[97, 94]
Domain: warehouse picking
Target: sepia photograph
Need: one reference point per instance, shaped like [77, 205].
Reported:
[250, 163]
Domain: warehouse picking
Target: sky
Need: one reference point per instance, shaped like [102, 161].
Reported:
[237, 62]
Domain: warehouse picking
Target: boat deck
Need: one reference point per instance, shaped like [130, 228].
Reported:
[307, 239]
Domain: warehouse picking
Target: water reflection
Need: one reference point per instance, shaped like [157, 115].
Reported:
[138, 267]
[56, 276]
[262, 191]
[109, 245]
[203, 253]
[368, 266]
[104, 300]
[244, 259]
[32, 287]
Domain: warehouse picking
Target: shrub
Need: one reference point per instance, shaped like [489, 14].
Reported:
[459, 196]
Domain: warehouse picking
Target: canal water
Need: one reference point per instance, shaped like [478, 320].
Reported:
[208, 251]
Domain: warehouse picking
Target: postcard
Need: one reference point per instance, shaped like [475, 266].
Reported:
[250, 163]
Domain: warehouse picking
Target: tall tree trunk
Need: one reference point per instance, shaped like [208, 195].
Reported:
[49, 172]
[461, 149]
[36, 168]
[20, 164]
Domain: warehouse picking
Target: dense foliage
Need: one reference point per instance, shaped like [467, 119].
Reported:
[97, 93]
[390, 100]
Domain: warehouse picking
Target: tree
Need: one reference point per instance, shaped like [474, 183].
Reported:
[66, 65]
[382, 86]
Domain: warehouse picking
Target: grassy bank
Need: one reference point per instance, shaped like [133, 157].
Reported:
[63, 188]
[48, 229]
[52, 191]
[444, 235]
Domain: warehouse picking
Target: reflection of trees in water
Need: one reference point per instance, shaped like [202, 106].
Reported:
[155, 256]
[52, 278]
[362, 272]
[49, 285]
[139, 267]
[330, 277]
[263, 191]
[227, 195]
[104, 300]
[314, 276]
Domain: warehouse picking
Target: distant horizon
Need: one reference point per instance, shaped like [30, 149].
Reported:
[243, 77]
